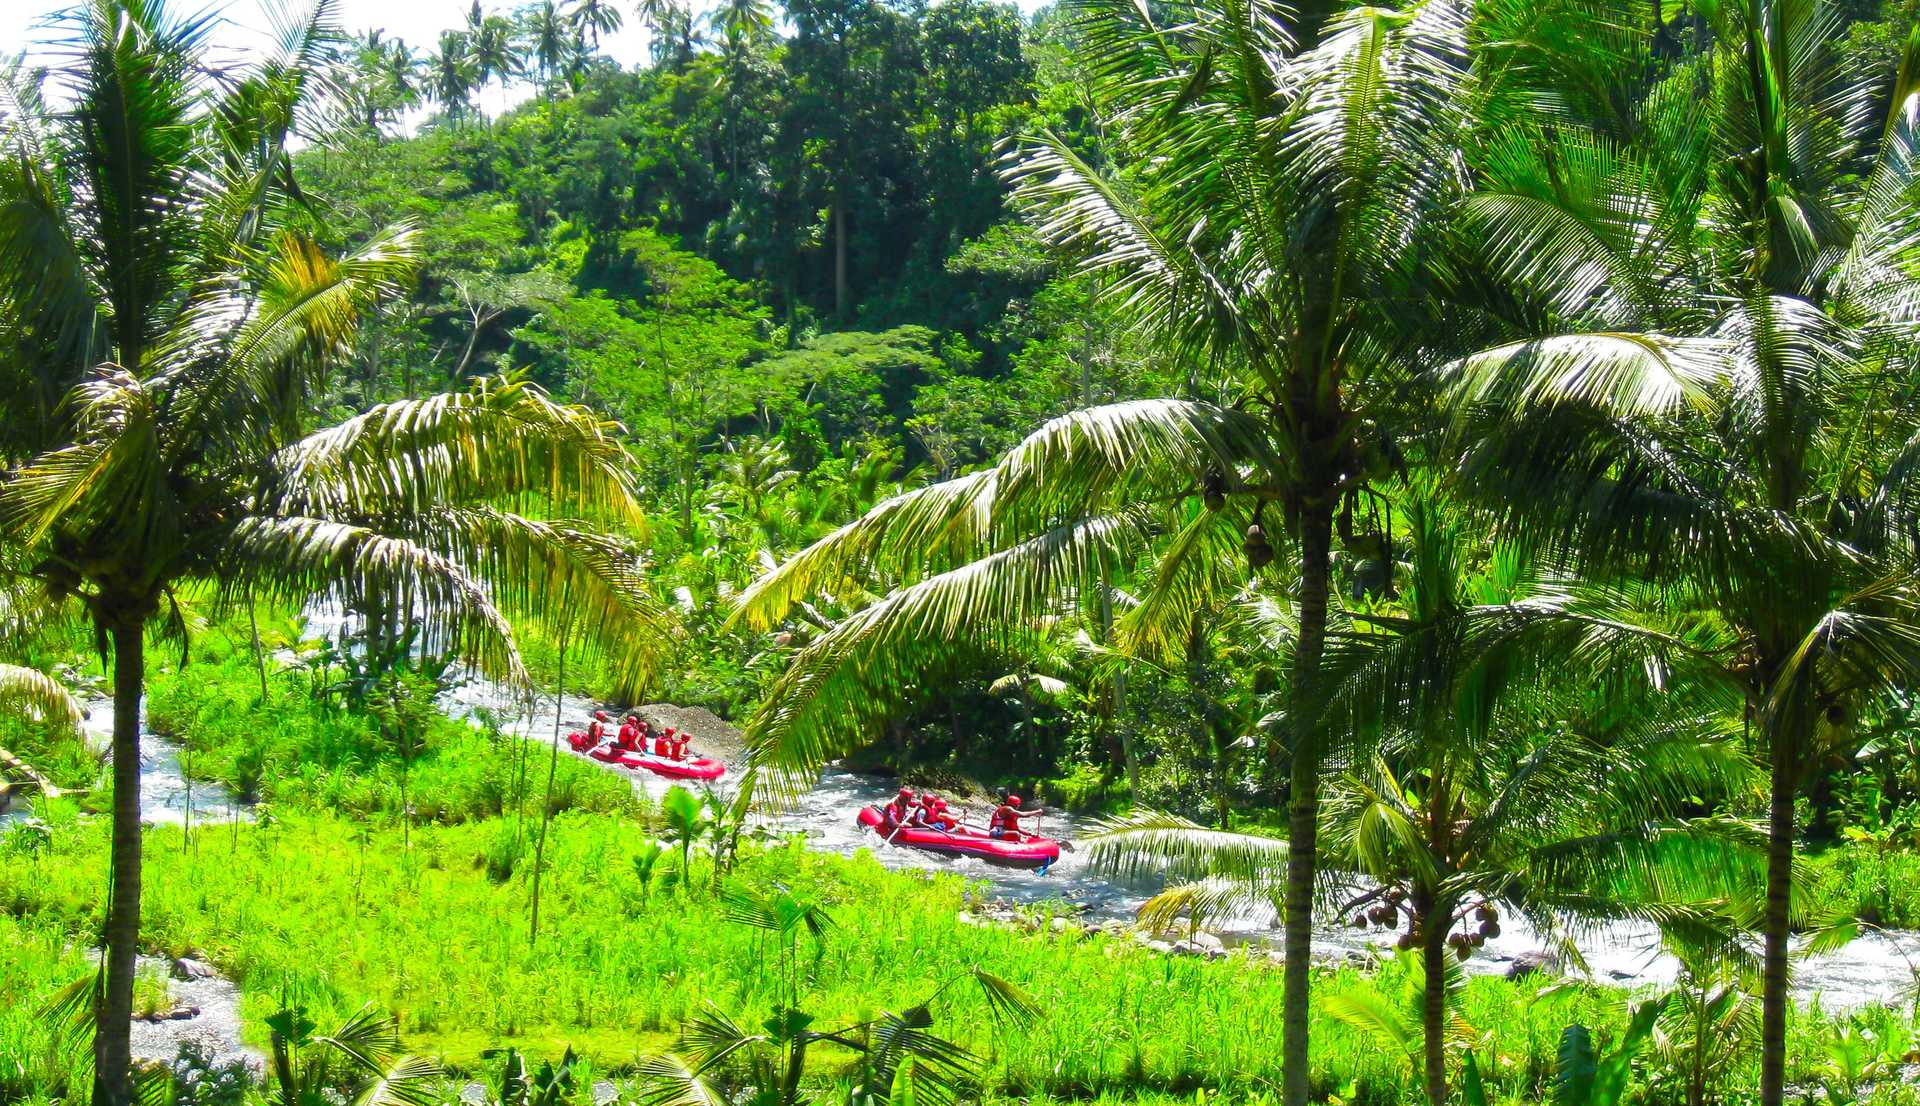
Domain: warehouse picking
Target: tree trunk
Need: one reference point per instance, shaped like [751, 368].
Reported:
[1433, 1014]
[553, 771]
[1784, 753]
[113, 1006]
[839, 256]
[1316, 537]
[1117, 693]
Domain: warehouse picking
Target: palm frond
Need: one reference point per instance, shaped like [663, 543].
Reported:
[294, 560]
[671, 1081]
[503, 442]
[369, 1038]
[114, 461]
[575, 582]
[1624, 374]
[947, 519]
[1151, 842]
[840, 689]
[1008, 1003]
[408, 1081]
[1076, 462]
[32, 694]
[1200, 902]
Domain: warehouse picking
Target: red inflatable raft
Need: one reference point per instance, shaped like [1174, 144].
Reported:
[1024, 851]
[692, 768]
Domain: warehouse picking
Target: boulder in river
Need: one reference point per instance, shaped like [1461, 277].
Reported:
[1537, 962]
[712, 735]
[189, 970]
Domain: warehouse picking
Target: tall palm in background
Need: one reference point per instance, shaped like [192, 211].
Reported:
[145, 259]
[491, 47]
[1286, 161]
[594, 18]
[1717, 388]
[741, 23]
[549, 38]
[401, 69]
[452, 76]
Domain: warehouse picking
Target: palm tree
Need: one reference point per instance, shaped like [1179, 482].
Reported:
[491, 47]
[401, 71]
[593, 18]
[143, 238]
[657, 16]
[1713, 388]
[1492, 778]
[1272, 236]
[383, 78]
[741, 22]
[671, 25]
[548, 42]
[452, 75]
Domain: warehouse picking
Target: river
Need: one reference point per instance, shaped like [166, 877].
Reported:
[1879, 967]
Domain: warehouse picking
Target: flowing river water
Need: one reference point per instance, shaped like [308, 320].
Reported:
[1878, 967]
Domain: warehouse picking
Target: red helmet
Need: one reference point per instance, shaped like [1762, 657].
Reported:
[906, 793]
[600, 715]
[632, 717]
[669, 731]
[940, 803]
[1013, 800]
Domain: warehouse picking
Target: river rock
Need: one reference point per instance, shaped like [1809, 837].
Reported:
[189, 970]
[1537, 962]
[712, 735]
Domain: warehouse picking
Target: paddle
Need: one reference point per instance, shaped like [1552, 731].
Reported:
[896, 829]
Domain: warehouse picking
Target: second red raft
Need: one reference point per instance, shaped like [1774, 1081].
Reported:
[692, 768]
[1023, 851]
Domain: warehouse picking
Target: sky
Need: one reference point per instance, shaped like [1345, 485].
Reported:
[418, 22]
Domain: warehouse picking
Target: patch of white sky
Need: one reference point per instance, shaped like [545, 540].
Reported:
[243, 27]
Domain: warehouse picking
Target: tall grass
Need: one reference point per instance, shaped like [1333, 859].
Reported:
[299, 748]
[320, 910]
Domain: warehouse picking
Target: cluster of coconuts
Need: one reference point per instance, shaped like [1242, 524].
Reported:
[1256, 547]
[1464, 942]
[1386, 913]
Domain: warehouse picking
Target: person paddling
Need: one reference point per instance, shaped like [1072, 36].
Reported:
[597, 729]
[895, 814]
[663, 744]
[679, 750]
[630, 733]
[1006, 817]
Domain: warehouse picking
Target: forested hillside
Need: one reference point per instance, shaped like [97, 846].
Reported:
[782, 256]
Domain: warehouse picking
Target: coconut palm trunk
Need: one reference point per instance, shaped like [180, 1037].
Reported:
[112, 1041]
[1303, 795]
[1783, 787]
[1433, 1006]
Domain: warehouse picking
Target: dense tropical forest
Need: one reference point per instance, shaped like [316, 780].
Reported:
[1423, 502]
